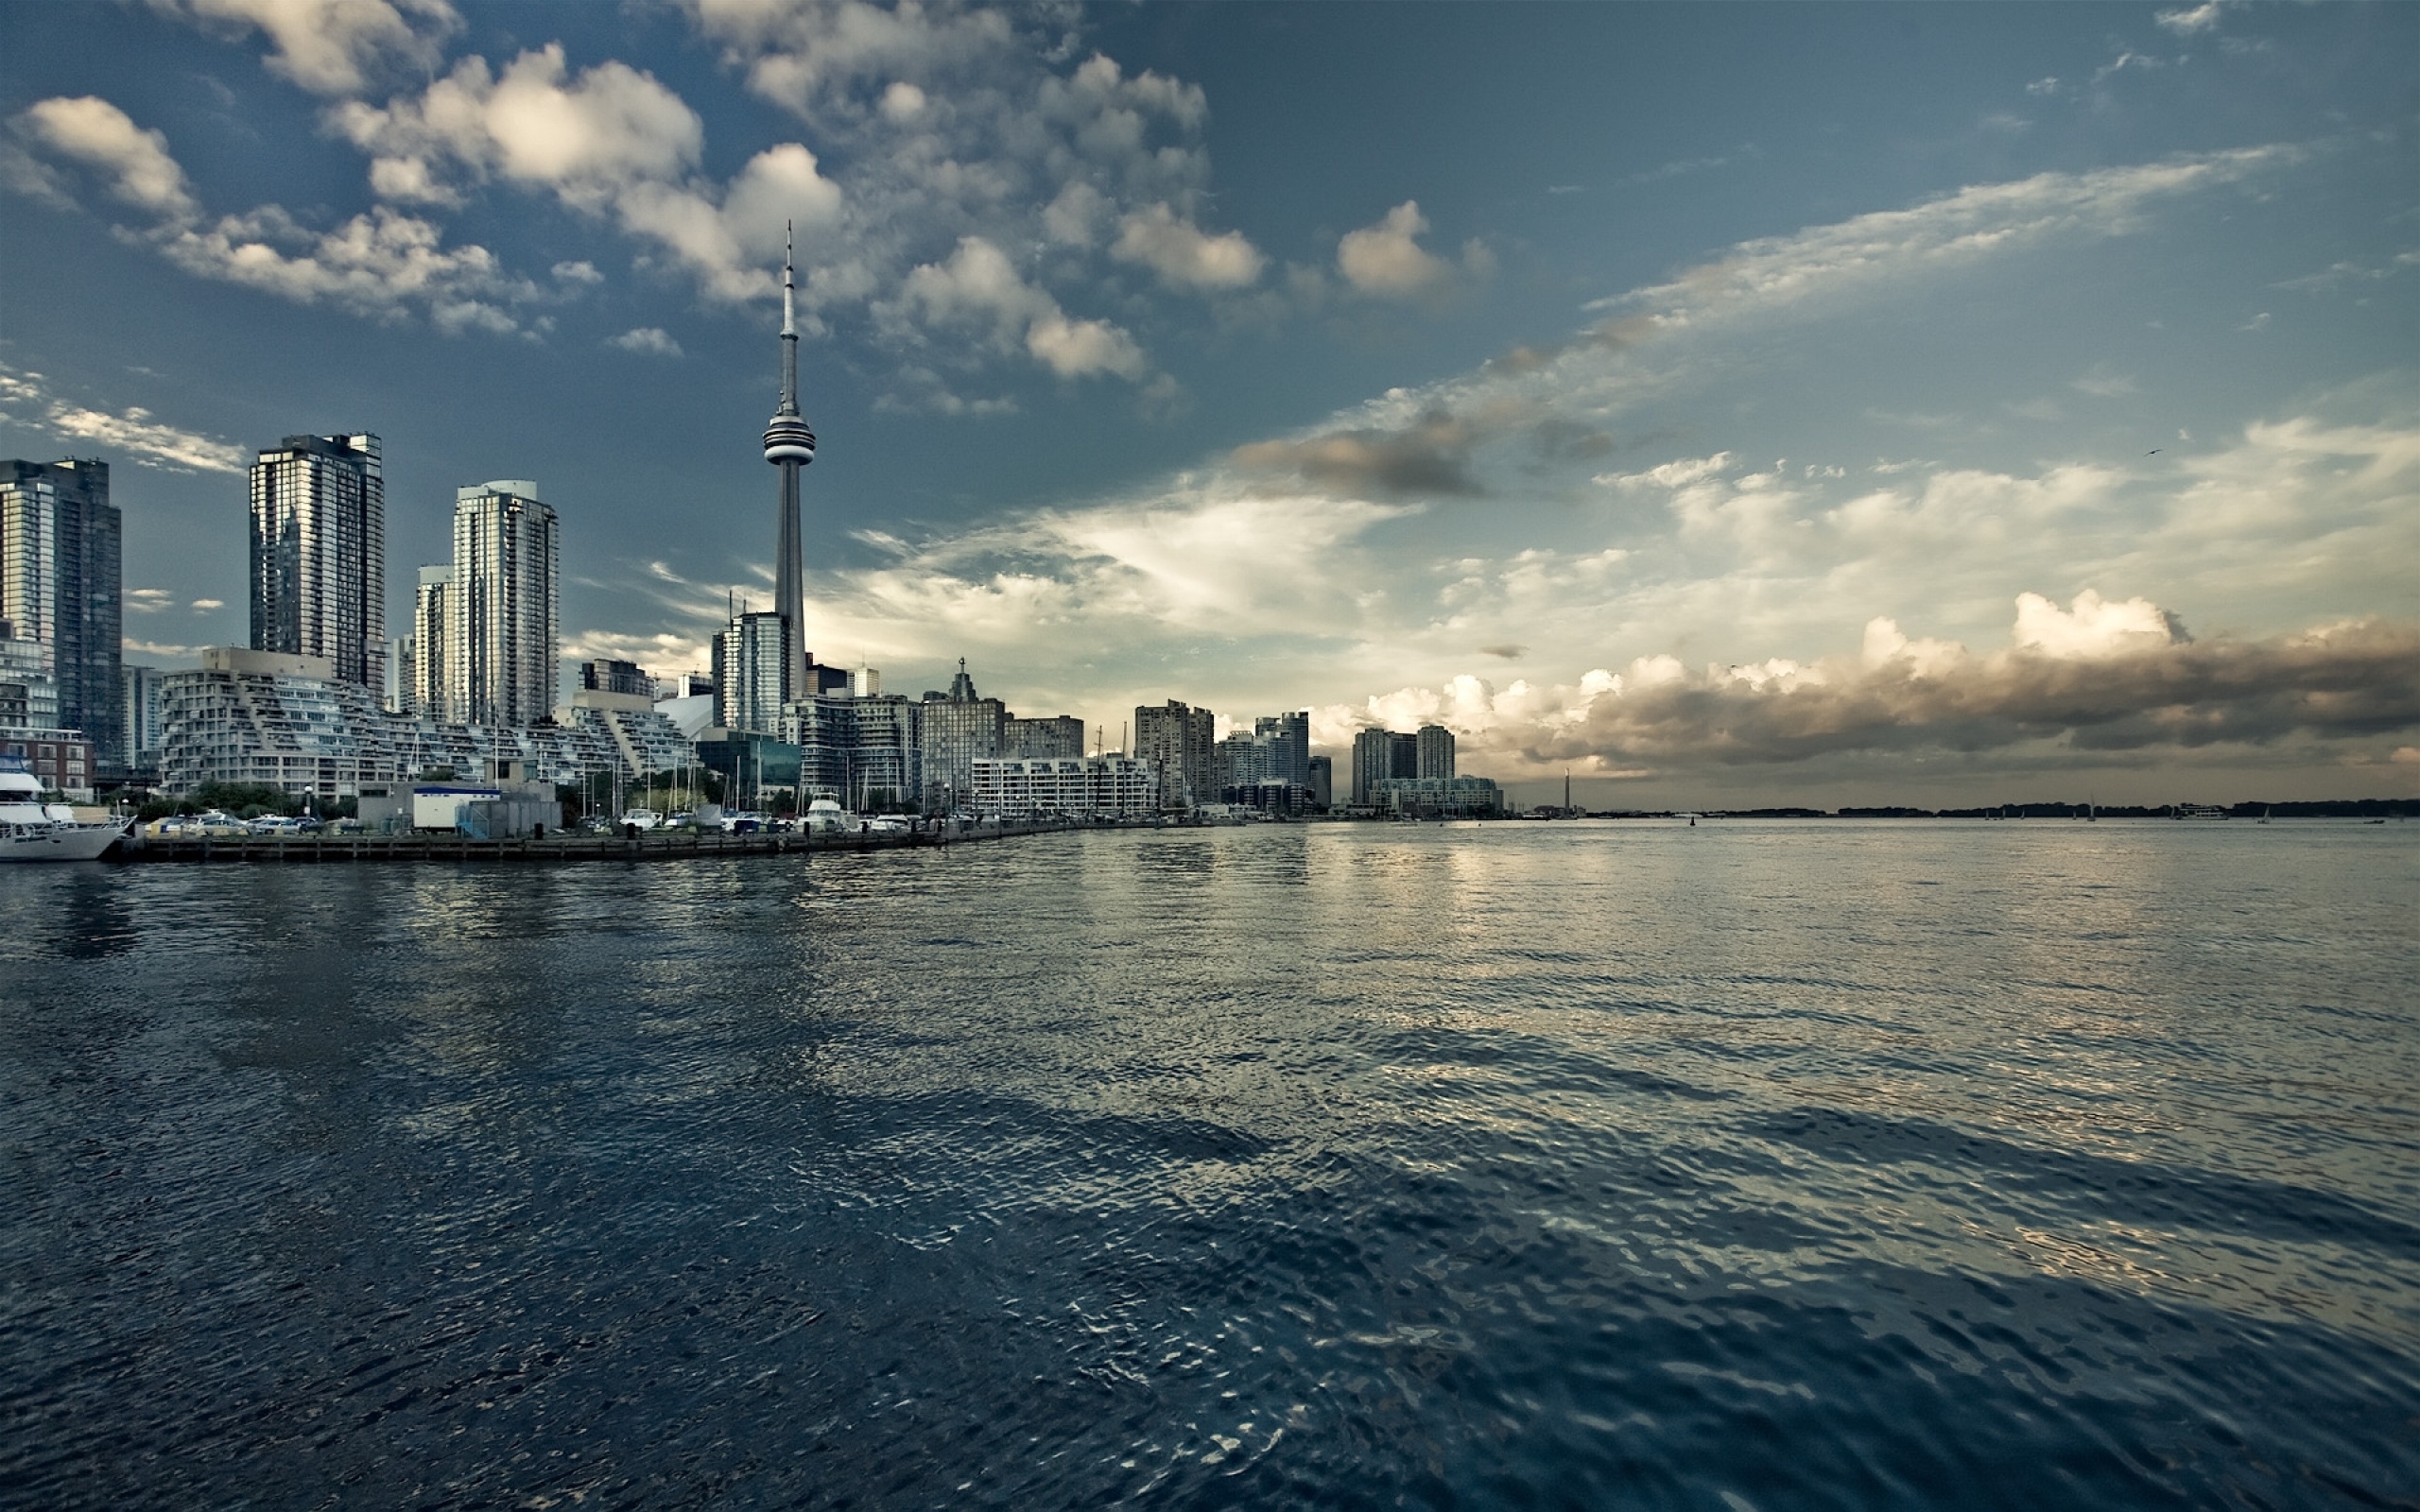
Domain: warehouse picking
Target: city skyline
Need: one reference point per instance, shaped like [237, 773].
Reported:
[2048, 428]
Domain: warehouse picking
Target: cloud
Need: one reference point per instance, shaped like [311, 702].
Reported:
[1385, 258]
[1430, 456]
[578, 272]
[2191, 21]
[148, 600]
[382, 264]
[1182, 254]
[1954, 230]
[2093, 626]
[25, 400]
[2100, 689]
[987, 126]
[203, 606]
[333, 46]
[978, 288]
[648, 340]
[610, 140]
[97, 134]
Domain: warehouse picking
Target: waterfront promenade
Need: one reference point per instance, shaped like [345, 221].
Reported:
[650, 846]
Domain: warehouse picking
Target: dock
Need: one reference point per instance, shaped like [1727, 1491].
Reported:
[648, 845]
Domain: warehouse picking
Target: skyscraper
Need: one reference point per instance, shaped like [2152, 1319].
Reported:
[59, 541]
[431, 642]
[502, 607]
[1289, 738]
[1180, 742]
[790, 445]
[953, 731]
[319, 554]
[1379, 756]
[753, 662]
[1433, 752]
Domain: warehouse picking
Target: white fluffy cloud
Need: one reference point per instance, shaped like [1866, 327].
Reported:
[382, 264]
[609, 140]
[134, 162]
[335, 46]
[1387, 258]
[978, 288]
[952, 124]
[1182, 254]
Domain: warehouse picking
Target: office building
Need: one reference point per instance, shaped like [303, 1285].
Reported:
[1181, 744]
[604, 675]
[60, 759]
[59, 596]
[502, 606]
[751, 681]
[1241, 761]
[955, 728]
[25, 667]
[1379, 756]
[140, 697]
[1061, 735]
[319, 554]
[1288, 739]
[1433, 754]
[1323, 783]
[402, 663]
[887, 766]
[432, 639]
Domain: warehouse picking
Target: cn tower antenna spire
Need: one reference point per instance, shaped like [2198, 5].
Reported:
[789, 327]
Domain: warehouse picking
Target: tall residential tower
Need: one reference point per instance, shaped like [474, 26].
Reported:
[502, 606]
[59, 602]
[318, 557]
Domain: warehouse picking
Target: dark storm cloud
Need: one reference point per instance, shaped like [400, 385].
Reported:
[1429, 459]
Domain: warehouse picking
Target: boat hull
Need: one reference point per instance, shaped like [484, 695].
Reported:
[61, 842]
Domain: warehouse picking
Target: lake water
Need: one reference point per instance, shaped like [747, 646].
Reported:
[1760, 1166]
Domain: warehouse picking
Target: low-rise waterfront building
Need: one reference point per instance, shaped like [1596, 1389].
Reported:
[284, 720]
[60, 759]
[1430, 798]
[1113, 786]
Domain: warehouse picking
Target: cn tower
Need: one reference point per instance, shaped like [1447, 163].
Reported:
[790, 445]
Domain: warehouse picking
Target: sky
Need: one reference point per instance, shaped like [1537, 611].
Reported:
[1725, 405]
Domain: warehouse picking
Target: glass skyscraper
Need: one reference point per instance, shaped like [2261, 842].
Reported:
[60, 595]
[319, 554]
[502, 606]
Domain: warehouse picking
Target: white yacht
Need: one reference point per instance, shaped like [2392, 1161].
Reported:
[643, 818]
[31, 831]
[824, 817]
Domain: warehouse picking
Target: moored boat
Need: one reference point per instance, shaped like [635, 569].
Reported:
[32, 831]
